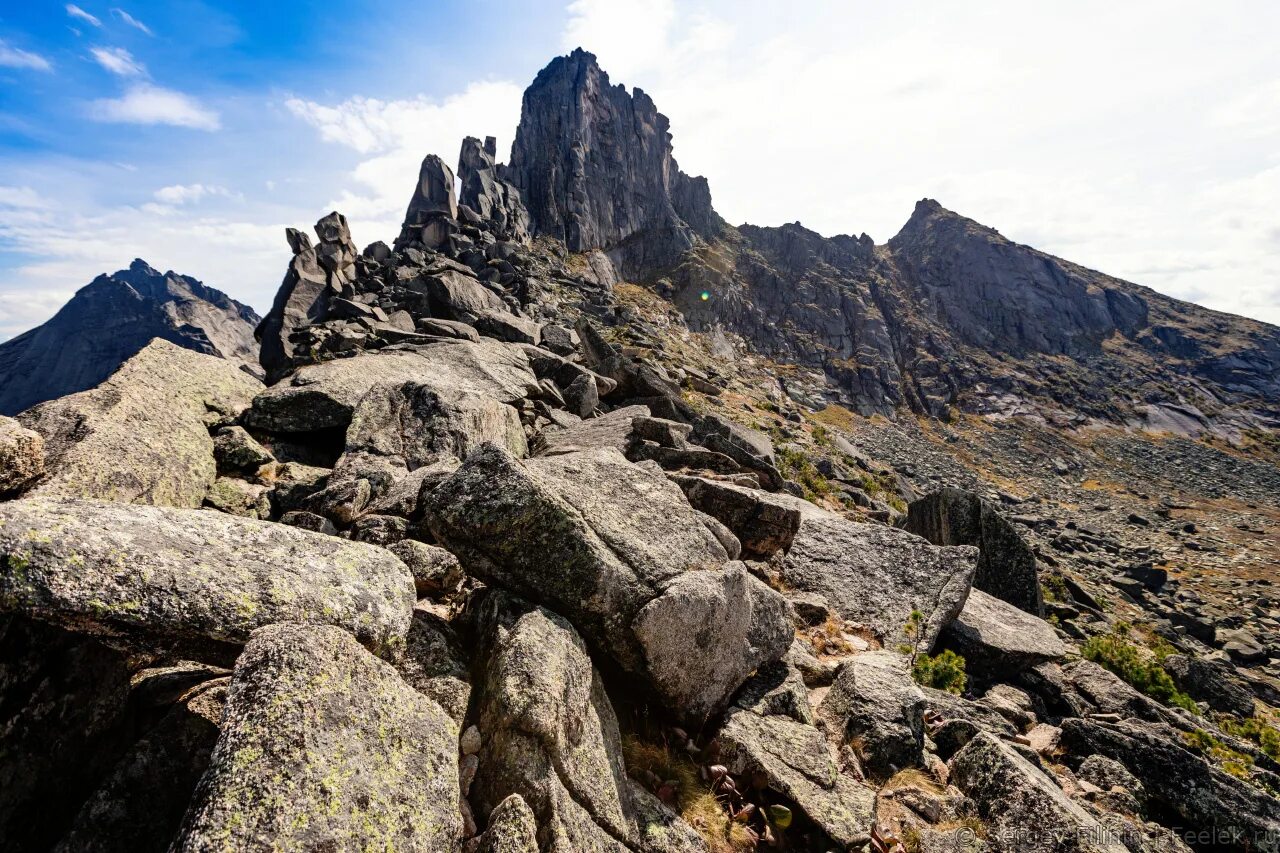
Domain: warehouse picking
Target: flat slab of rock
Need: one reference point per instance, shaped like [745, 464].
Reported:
[159, 575]
[141, 436]
[617, 550]
[998, 638]
[324, 747]
[21, 456]
[1020, 802]
[796, 759]
[878, 575]
[615, 429]
[324, 396]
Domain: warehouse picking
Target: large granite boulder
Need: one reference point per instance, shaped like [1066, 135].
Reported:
[1006, 563]
[160, 576]
[878, 575]
[315, 278]
[549, 734]
[875, 704]
[1210, 681]
[21, 456]
[324, 747]
[997, 639]
[325, 396]
[109, 321]
[141, 436]
[512, 829]
[617, 550]
[1025, 809]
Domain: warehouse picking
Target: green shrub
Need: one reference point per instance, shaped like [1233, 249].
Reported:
[1054, 588]
[1256, 730]
[1233, 761]
[797, 466]
[1114, 652]
[943, 671]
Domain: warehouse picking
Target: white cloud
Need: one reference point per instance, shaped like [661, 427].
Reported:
[76, 12]
[394, 136]
[189, 193]
[147, 104]
[131, 21]
[13, 57]
[118, 61]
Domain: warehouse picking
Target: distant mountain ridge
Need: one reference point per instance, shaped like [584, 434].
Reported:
[111, 319]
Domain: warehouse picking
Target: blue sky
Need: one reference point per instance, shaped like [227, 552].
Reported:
[1142, 139]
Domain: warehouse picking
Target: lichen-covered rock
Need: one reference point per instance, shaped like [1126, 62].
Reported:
[325, 395]
[140, 805]
[512, 829]
[1026, 810]
[875, 704]
[236, 497]
[415, 423]
[997, 639]
[324, 747]
[157, 575]
[551, 736]
[435, 571]
[21, 456]
[798, 764]
[1206, 797]
[879, 575]
[433, 663]
[1210, 681]
[1006, 563]
[237, 451]
[613, 547]
[141, 436]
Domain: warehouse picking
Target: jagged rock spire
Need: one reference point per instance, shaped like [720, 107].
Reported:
[594, 166]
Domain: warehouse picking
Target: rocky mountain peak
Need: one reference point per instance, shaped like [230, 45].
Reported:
[112, 318]
[594, 165]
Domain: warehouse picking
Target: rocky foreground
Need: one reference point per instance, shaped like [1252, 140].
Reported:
[513, 554]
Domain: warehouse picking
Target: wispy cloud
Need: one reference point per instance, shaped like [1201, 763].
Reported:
[119, 61]
[131, 21]
[147, 104]
[76, 12]
[12, 57]
[189, 193]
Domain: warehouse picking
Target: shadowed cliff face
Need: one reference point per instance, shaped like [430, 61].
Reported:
[108, 321]
[594, 166]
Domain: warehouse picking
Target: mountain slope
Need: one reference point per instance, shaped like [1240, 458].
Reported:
[108, 321]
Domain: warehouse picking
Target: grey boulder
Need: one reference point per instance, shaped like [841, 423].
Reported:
[617, 550]
[141, 436]
[875, 704]
[1006, 563]
[324, 747]
[159, 575]
[997, 639]
[878, 575]
[1025, 809]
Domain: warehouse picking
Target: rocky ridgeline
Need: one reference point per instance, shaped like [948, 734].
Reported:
[507, 556]
[108, 321]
